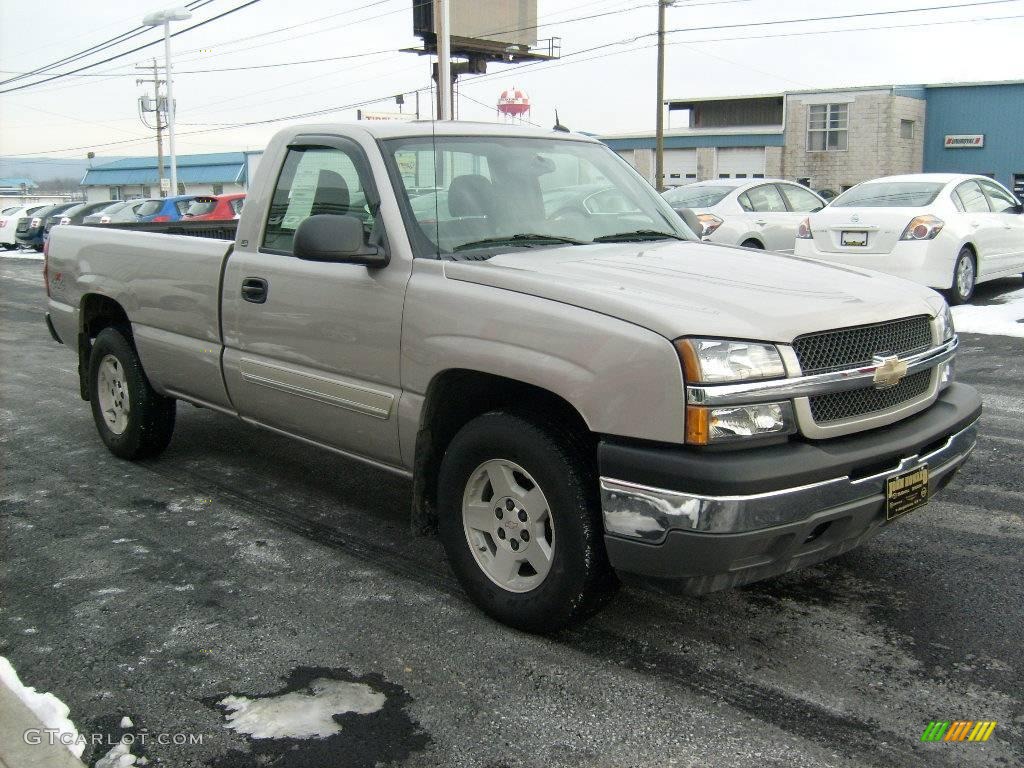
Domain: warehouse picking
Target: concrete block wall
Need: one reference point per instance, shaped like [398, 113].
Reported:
[874, 146]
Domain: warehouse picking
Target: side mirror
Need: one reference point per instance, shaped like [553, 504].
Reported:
[339, 238]
[691, 220]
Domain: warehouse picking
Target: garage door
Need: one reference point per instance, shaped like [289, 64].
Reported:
[680, 167]
[740, 163]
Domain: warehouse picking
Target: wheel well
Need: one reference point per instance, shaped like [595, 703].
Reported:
[974, 252]
[456, 397]
[96, 313]
[757, 243]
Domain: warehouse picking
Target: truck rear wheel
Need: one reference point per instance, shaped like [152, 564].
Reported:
[520, 520]
[134, 421]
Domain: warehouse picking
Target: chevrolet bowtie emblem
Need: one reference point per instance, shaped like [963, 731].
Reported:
[889, 371]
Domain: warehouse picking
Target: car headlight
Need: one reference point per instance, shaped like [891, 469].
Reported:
[722, 361]
[718, 361]
[707, 426]
[944, 319]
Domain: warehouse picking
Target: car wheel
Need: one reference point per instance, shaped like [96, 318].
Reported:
[965, 275]
[134, 421]
[520, 520]
[37, 248]
[10, 246]
[752, 244]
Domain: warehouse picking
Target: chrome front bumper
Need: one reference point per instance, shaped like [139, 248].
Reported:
[646, 514]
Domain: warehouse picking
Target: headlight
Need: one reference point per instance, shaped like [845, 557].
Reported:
[714, 361]
[945, 322]
[705, 426]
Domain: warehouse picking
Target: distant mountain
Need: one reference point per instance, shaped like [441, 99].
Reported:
[41, 169]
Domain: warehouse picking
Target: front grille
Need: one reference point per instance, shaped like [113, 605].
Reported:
[855, 347]
[858, 402]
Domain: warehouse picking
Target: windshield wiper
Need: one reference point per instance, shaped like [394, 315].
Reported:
[522, 240]
[637, 235]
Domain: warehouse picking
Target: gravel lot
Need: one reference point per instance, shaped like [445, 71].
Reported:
[245, 564]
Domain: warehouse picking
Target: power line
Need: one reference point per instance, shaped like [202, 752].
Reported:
[133, 50]
[123, 37]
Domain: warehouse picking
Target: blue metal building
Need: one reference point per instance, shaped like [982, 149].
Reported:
[215, 173]
[976, 128]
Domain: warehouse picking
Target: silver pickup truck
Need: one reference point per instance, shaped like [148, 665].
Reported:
[579, 389]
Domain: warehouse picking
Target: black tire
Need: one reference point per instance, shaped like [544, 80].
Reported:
[150, 419]
[10, 246]
[956, 295]
[37, 248]
[580, 579]
[752, 244]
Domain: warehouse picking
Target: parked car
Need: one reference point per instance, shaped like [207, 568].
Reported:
[569, 397]
[946, 231]
[29, 233]
[120, 213]
[77, 214]
[215, 207]
[758, 213]
[165, 208]
[55, 216]
[9, 223]
[828, 195]
[113, 206]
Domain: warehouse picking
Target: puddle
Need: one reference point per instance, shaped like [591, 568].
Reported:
[321, 717]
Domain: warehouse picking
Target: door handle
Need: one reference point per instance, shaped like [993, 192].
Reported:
[760, 222]
[254, 289]
[974, 223]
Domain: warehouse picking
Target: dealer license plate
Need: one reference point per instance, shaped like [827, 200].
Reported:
[905, 493]
[857, 239]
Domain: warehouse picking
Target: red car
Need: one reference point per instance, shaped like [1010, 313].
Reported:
[215, 207]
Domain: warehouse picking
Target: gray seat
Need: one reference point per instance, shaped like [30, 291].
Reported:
[471, 196]
[331, 196]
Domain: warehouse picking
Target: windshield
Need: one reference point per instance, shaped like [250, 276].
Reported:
[201, 206]
[476, 196]
[889, 194]
[695, 196]
[149, 207]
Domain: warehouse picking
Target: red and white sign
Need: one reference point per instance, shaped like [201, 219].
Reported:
[965, 141]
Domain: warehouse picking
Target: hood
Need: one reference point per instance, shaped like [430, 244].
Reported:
[699, 289]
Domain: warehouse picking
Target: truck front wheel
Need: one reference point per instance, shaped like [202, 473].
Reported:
[134, 421]
[520, 520]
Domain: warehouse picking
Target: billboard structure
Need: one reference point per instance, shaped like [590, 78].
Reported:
[480, 33]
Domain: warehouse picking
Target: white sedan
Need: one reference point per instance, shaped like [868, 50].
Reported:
[946, 231]
[9, 223]
[754, 213]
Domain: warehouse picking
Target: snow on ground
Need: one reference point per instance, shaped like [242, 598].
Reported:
[1003, 317]
[119, 757]
[22, 253]
[299, 714]
[50, 710]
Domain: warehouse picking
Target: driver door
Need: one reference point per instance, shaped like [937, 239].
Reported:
[312, 347]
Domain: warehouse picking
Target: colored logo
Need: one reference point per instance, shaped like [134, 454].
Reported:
[958, 730]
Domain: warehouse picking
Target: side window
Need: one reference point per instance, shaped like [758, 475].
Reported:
[766, 199]
[1001, 200]
[972, 198]
[800, 200]
[745, 203]
[313, 181]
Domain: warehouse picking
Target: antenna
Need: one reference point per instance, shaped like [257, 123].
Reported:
[558, 124]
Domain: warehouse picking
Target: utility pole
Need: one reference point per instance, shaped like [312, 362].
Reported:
[160, 125]
[444, 63]
[659, 130]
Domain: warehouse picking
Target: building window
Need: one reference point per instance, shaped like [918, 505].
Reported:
[115, 193]
[826, 127]
[146, 190]
[906, 129]
[217, 189]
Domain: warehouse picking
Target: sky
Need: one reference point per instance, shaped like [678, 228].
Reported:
[604, 82]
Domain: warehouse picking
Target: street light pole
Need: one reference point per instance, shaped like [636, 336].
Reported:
[444, 63]
[164, 18]
[659, 130]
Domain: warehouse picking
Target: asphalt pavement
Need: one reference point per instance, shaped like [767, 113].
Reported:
[243, 564]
